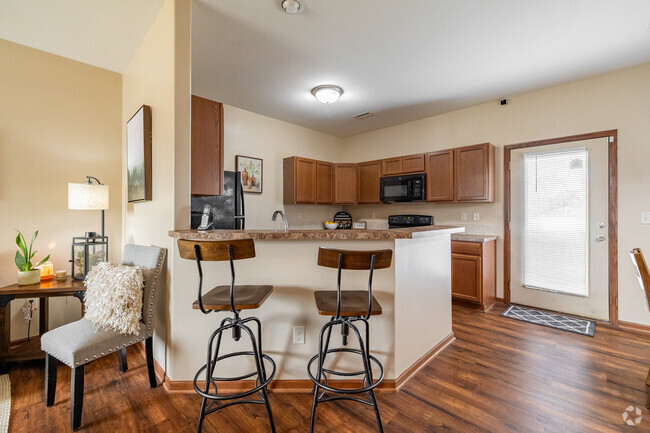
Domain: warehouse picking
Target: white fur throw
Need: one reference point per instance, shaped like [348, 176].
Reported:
[114, 297]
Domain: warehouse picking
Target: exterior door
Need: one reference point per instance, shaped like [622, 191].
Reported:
[559, 220]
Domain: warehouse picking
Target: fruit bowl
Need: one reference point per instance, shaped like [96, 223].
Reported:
[331, 225]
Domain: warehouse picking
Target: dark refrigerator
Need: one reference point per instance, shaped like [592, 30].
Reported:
[226, 211]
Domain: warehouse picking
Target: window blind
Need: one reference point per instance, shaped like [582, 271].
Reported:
[556, 248]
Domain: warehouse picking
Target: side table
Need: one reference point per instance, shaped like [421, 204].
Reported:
[31, 349]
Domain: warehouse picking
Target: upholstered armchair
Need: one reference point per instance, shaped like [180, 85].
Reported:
[78, 343]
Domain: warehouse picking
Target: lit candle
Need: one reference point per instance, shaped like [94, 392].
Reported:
[47, 271]
[61, 275]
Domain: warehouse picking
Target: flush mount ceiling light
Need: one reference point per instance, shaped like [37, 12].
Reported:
[292, 6]
[327, 93]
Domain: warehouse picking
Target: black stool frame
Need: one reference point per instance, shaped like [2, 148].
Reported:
[237, 324]
[347, 323]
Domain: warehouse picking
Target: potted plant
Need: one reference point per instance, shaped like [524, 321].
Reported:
[27, 274]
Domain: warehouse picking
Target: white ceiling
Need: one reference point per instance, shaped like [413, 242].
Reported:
[104, 33]
[404, 60]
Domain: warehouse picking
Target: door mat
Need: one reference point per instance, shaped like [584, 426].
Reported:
[552, 320]
[5, 402]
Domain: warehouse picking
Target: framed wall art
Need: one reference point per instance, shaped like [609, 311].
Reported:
[251, 173]
[138, 155]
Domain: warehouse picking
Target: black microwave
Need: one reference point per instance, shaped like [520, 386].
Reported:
[409, 187]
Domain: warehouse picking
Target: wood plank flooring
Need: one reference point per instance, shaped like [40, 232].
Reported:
[500, 375]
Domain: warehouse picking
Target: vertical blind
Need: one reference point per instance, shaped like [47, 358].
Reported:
[556, 248]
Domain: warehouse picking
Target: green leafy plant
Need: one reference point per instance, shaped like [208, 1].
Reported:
[24, 256]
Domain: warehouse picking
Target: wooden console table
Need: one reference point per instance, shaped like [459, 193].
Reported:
[31, 349]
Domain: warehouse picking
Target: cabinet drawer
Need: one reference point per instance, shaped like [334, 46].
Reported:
[471, 248]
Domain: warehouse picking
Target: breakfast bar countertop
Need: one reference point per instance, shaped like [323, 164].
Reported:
[322, 234]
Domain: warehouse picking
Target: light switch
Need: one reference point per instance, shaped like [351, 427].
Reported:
[463, 216]
[645, 217]
[477, 216]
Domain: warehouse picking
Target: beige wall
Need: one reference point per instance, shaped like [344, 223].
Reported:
[158, 76]
[251, 134]
[619, 100]
[60, 120]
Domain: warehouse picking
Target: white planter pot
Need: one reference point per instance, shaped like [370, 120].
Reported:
[29, 277]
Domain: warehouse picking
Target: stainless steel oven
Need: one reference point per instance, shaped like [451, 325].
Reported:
[409, 187]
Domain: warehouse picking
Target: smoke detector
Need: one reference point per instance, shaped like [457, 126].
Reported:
[292, 6]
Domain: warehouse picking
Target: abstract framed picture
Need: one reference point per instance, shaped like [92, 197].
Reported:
[138, 155]
[251, 173]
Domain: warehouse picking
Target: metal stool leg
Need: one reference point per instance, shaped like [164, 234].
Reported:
[261, 369]
[322, 353]
[365, 354]
[209, 371]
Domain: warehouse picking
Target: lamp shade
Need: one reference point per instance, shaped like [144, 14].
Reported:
[84, 196]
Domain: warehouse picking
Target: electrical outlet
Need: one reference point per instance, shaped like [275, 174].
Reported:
[645, 217]
[477, 216]
[463, 216]
[298, 335]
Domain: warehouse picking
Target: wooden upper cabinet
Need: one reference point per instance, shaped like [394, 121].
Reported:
[474, 173]
[345, 184]
[324, 182]
[299, 180]
[368, 181]
[391, 166]
[402, 165]
[440, 175]
[207, 147]
[413, 163]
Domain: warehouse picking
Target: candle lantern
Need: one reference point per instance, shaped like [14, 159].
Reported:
[87, 251]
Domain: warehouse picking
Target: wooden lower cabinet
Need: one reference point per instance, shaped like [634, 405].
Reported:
[474, 272]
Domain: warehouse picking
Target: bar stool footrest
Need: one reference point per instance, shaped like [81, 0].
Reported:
[215, 396]
[363, 389]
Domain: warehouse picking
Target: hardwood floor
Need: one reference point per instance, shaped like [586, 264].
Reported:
[500, 375]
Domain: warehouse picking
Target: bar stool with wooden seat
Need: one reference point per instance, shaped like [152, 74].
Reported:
[346, 308]
[234, 299]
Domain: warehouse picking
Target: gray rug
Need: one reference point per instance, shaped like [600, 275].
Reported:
[552, 320]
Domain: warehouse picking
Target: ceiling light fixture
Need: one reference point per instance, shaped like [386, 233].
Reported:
[327, 93]
[292, 6]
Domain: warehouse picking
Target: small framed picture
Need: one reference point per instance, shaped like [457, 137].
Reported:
[138, 155]
[251, 173]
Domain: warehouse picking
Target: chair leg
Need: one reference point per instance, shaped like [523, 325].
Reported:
[647, 388]
[365, 347]
[321, 360]
[121, 359]
[51, 364]
[148, 346]
[76, 397]
[261, 374]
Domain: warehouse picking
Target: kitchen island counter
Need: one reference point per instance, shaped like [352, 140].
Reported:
[414, 292]
[361, 235]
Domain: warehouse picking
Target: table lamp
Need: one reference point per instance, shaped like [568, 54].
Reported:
[91, 249]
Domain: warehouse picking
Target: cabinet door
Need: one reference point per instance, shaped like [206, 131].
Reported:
[474, 173]
[413, 163]
[305, 180]
[440, 175]
[207, 147]
[324, 182]
[391, 166]
[369, 174]
[345, 184]
[466, 277]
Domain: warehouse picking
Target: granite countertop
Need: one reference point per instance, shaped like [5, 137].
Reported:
[406, 233]
[472, 238]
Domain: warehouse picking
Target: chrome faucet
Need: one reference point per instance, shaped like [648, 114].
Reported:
[285, 223]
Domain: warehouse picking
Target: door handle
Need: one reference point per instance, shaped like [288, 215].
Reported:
[600, 238]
